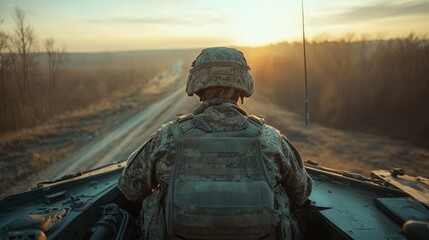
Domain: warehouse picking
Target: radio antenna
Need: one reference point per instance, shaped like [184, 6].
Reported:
[306, 101]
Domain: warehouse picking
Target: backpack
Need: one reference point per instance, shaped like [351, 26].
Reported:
[219, 187]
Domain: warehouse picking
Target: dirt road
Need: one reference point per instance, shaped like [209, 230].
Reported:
[125, 138]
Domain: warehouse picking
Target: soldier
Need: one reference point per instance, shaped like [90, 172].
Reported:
[217, 173]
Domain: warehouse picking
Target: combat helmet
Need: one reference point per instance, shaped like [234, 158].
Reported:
[220, 67]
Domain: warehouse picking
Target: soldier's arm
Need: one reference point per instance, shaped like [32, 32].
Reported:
[296, 180]
[138, 177]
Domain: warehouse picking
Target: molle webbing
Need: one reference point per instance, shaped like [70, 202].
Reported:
[223, 159]
[219, 187]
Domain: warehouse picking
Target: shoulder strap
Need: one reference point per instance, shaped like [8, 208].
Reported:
[257, 119]
[182, 117]
[183, 124]
[254, 125]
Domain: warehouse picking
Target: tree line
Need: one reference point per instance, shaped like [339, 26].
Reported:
[373, 85]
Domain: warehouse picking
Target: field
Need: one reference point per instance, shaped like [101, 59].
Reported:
[342, 149]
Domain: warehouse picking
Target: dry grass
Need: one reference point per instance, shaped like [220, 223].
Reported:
[345, 150]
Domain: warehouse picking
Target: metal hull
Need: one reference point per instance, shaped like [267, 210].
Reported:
[339, 207]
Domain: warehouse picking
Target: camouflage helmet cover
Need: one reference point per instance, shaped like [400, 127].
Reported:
[220, 67]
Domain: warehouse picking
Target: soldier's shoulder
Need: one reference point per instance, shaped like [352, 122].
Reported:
[271, 133]
[266, 129]
[258, 119]
[271, 130]
[165, 132]
[167, 127]
[183, 117]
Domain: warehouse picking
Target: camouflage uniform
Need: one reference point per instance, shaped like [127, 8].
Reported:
[147, 174]
[148, 171]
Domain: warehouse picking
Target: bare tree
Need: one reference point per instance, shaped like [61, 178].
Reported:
[56, 58]
[24, 41]
[407, 52]
[5, 63]
[426, 54]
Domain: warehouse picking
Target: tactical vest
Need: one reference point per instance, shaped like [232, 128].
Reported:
[219, 187]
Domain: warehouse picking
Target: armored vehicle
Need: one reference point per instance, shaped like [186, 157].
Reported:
[343, 205]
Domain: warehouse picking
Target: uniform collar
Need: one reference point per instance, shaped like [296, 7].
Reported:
[222, 102]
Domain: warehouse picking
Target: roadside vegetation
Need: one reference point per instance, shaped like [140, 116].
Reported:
[373, 85]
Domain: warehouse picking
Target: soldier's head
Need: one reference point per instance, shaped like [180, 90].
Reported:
[220, 72]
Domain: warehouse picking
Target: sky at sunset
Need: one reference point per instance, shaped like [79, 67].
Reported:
[107, 25]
